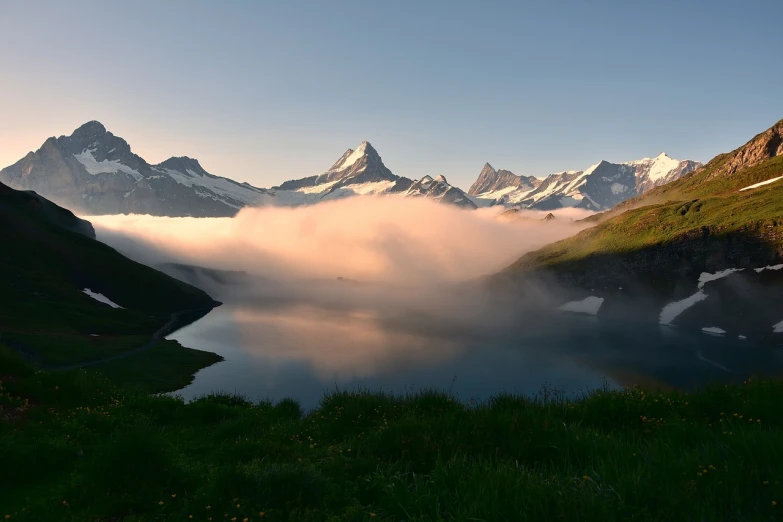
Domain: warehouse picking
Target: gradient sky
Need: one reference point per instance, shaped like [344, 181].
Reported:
[268, 91]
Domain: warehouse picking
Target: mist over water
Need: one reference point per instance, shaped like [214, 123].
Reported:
[409, 310]
[380, 239]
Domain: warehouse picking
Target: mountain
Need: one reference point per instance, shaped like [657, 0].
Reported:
[440, 190]
[359, 171]
[599, 187]
[491, 180]
[47, 248]
[68, 297]
[93, 171]
[355, 167]
[723, 221]
[362, 172]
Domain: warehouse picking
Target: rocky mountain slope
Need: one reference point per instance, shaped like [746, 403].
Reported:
[724, 218]
[599, 187]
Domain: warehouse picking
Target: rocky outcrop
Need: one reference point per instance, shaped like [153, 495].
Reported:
[766, 145]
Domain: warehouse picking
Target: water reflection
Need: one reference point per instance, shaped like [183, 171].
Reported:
[302, 351]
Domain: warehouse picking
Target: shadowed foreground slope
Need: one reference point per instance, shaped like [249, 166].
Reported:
[48, 257]
[75, 448]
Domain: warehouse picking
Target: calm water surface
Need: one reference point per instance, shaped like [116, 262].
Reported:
[303, 351]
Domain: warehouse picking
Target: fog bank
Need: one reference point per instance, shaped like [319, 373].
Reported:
[378, 239]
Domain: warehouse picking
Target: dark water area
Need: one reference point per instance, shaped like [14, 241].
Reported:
[303, 351]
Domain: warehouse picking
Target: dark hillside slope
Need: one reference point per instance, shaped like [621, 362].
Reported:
[48, 257]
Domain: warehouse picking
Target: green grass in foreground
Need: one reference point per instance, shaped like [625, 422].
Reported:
[82, 450]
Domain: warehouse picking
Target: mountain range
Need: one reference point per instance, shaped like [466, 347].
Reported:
[94, 172]
[708, 246]
[599, 187]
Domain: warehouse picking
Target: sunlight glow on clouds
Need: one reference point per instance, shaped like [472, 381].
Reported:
[381, 239]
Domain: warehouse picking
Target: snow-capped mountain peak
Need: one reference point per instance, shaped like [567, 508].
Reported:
[592, 168]
[351, 156]
[93, 171]
[599, 187]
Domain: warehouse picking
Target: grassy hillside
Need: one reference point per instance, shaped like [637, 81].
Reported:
[48, 257]
[76, 448]
[702, 221]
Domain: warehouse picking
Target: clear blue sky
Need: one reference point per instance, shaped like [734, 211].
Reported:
[267, 91]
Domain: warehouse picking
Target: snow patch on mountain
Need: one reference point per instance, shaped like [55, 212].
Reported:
[705, 277]
[233, 193]
[757, 185]
[773, 267]
[589, 305]
[618, 188]
[95, 167]
[101, 298]
[672, 310]
[713, 330]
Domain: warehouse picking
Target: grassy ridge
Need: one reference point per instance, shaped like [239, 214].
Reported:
[81, 449]
[675, 212]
